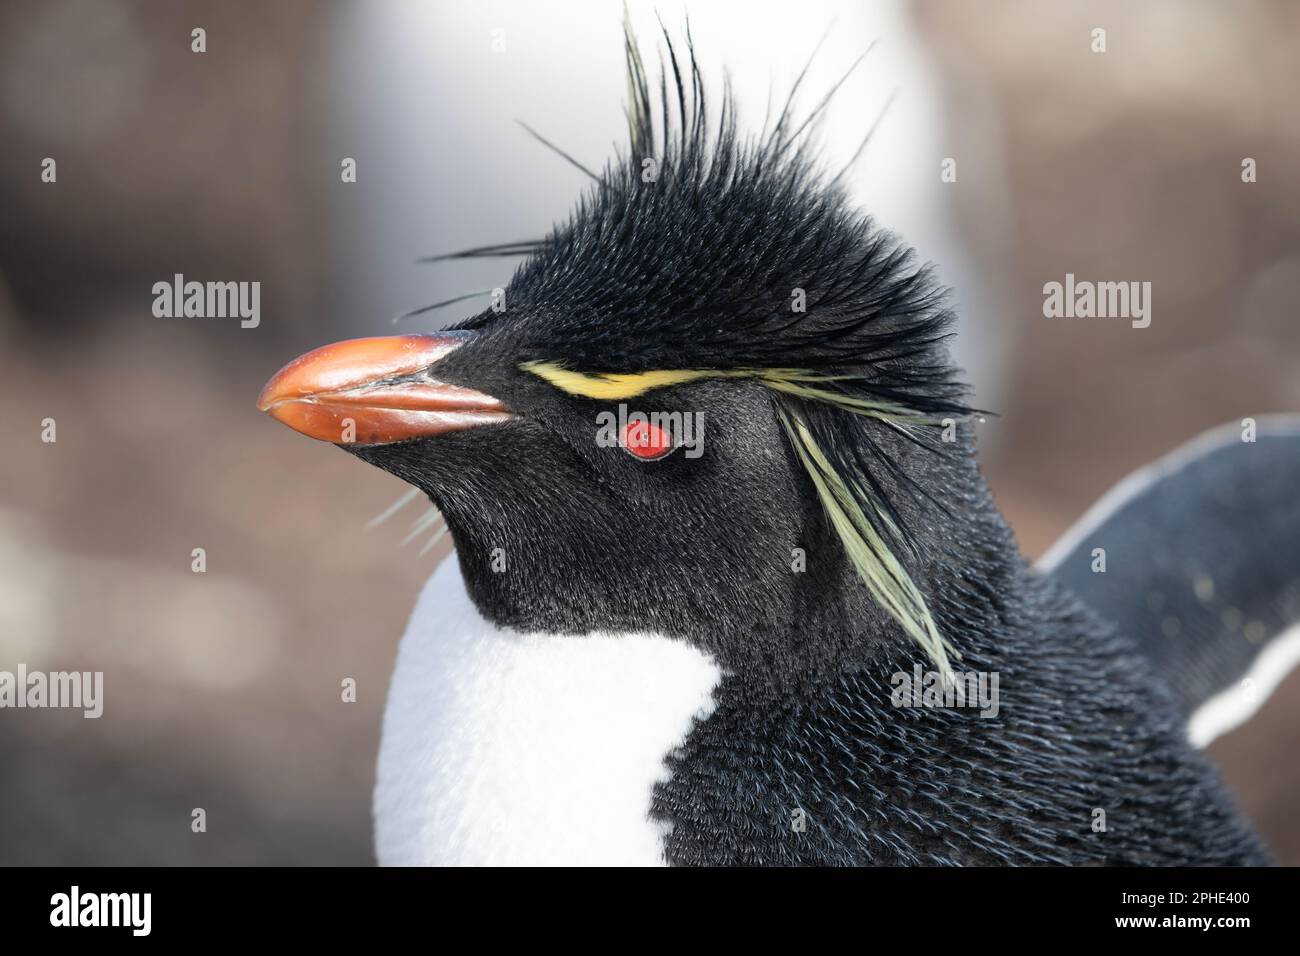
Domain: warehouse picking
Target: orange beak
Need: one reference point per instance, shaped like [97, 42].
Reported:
[376, 391]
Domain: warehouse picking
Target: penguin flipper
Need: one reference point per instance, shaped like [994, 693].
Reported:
[1202, 567]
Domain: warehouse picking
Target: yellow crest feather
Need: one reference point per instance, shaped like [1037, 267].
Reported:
[614, 386]
[800, 383]
[882, 573]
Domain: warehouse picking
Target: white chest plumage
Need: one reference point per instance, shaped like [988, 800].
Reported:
[507, 748]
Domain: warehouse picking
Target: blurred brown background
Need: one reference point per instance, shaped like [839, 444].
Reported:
[223, 688]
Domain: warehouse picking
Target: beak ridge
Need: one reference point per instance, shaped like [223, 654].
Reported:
[375, 391]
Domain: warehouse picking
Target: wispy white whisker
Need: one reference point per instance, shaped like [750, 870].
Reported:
[437, 536]
[422, 524]
[392, 509]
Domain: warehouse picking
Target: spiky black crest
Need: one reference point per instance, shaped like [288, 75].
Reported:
[700, 248]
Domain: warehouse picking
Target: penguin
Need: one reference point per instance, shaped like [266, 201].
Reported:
[729, 587]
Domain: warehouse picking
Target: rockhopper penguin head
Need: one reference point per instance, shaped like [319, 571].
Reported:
[801, 486]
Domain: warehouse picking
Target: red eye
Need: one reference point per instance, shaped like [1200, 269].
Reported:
[646, 440]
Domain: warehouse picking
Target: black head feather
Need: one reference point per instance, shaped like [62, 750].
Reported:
[700, 249]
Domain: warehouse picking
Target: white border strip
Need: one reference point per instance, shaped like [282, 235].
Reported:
[1230, 708]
